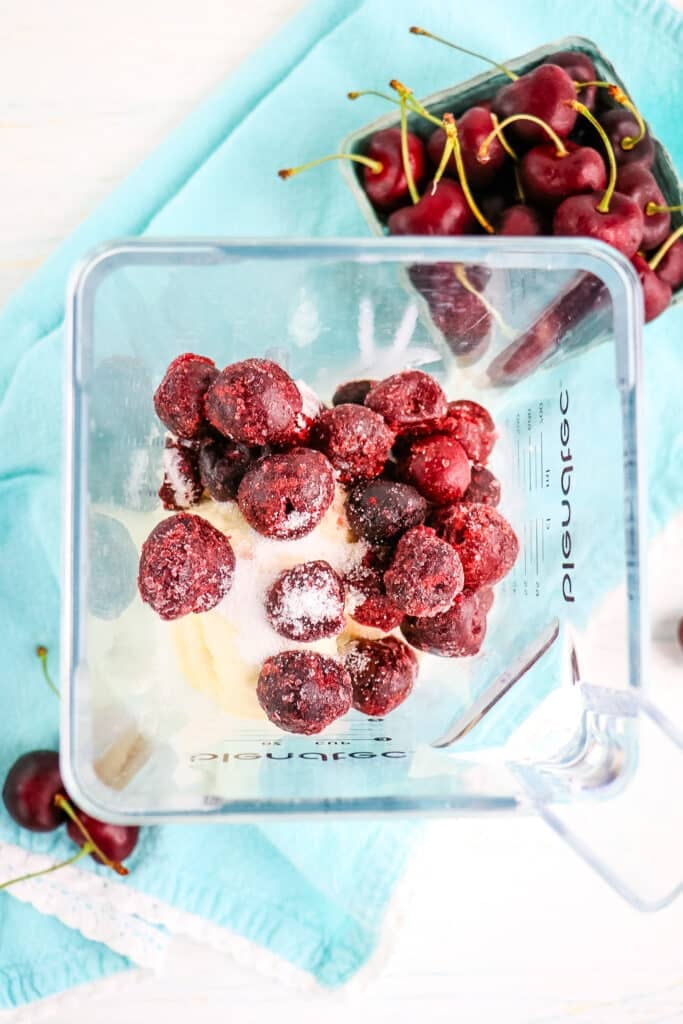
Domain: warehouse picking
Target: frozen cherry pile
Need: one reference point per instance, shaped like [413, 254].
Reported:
[418, 497]
[555, 151]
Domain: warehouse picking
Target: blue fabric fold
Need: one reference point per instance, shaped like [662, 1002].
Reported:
[216, 176]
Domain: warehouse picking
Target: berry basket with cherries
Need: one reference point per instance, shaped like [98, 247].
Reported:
[548, 145]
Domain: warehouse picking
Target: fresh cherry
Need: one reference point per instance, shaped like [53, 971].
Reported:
[620, 124]
[543, 92]
[389, 188]
[519, 220]
[444, 211]
[621, 226]
[639, 184]
[547, 178]
[473, 127]
[523, 355]
[116, 842]
[580, 68]
[670, 269]
[656, 293]
[32, 784]
[463, 318]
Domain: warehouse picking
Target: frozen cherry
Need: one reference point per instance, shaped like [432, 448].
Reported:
[656, 293]
[438, 466]
[543, 92]
[254, 402]
[620, 124]
[380, 510]
[424, 577]
[305, 420]
[621, 226]
[444, 211]
[286, 495]
[186, 565]
[116, 842]
[382, 673]
[353, 392]
[222, 464]
[367, 601]
[30, 789]
[355, 439]
[547, 178]
[389, 187]
[670, 269]
[580, 68]
[458, 632]
[306, 602]
[520, 220]
[179, 399]
[484, 540]
[181, 487]
[471, 424]
[410, 402]
[303, 692]
[639, 184]
[484, 488]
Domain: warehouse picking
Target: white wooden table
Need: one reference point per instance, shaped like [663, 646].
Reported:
[507, 925]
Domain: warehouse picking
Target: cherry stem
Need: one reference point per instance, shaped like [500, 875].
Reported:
[664, 248]
[503, 141]
[628, 142]
[412, 103]
[42, 655]
[357, 93]
[65, 806]
[452, 131]
[603, 205]
[461, 275]
[375, 165]
[416, 31]
[482, 154]
[652, 208]
[443, 163]
[519, 188]
[405, 155]
[83, 852]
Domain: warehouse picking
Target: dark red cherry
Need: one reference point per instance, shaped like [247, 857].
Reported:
[619, 124]
[656, 293]
[30, 789]
[520, 220]
[530, 349]
[389, 188]
[543, 92]
[580, 68]
[473, 127]
[547, 178]
[116, 842]
[670, 270]
[443, 212]
[621, 227]
[463, 319]
[636, 182]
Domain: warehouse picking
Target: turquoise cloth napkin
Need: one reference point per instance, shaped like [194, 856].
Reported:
[315, 894]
